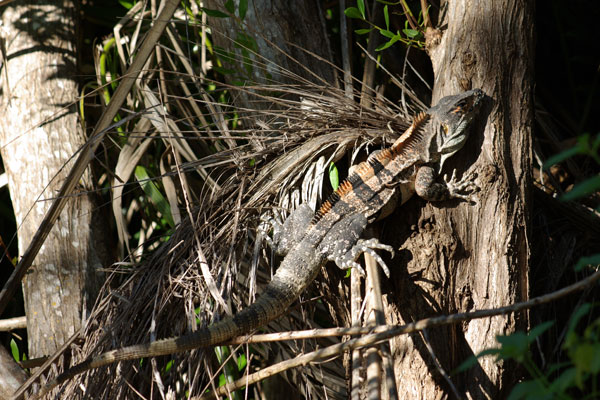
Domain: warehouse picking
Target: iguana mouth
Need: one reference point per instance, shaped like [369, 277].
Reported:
[455, 124]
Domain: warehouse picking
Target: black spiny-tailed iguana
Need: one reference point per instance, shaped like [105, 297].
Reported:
[309, 239]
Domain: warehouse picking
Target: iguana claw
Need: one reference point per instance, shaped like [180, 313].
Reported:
[462, 189]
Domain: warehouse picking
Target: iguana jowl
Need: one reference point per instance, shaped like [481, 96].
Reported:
[309, 239]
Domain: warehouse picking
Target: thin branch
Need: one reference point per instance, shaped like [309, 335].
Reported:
[383, 333]
[409, 15]
[10, 324]
[425, 11]
[345, 51]
[437, 364]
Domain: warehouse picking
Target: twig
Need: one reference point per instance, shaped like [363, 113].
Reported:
[425, 11]
[345, 51]
[374, 316]
[13, 323]
[355, 356]
[409, 15]
[383, 333]
[437, 364]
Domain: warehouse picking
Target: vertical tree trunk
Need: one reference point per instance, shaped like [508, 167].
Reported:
[39, 133]
[465, 257]
[287, 34]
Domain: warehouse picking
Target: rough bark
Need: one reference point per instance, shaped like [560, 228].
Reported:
[12, 375]
[40, 131]
[462, 257]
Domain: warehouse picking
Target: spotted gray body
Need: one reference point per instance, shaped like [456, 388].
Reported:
[308, 239]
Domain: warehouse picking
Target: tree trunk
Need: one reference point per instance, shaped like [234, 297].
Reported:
[40, 131]
[279, 30]
[461, 257]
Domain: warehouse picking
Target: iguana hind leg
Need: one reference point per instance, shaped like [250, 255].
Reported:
[343, 246]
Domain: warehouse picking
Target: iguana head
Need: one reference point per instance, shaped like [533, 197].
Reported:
[451, 117]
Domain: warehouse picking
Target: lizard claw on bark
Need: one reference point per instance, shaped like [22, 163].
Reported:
[365, 246]
[464, 188]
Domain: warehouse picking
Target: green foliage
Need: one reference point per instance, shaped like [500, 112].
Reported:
[126, 4]
[334, 176]
[586, 146]
[153, 193]
[230, 7]
[408, 36]
[14, 349]
[214, 13]
[231, 369]
[575, 379]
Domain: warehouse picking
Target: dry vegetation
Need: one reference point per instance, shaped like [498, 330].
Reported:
[189, 177]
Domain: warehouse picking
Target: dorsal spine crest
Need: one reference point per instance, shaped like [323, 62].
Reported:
[364, 170]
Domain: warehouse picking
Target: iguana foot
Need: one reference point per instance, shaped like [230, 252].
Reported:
[347, 259]
[464, 188]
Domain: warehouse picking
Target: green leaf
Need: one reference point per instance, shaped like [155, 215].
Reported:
[363, 31]
[243, 9]
[529, 390]
[14, 349]
[579, 313]
[127, 4]
[586, 358]
[583, 262]
[242, 362]
[388, 34]
[564, 381]
[353, 12]
[334, 176]
[388, 43]
[583, 189]
[560, 157]
[169, 366]
[474, 360]
[515, 346]
[582, 147]
[411, 33]
[386, 15]
[538, 330]
[156, 197]
[361, 7]
[214, 13]
[229, 6]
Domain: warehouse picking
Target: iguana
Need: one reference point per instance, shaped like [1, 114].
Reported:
[308, 239]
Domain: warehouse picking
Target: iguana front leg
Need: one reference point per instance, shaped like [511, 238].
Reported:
[287, 234]
[427, 187]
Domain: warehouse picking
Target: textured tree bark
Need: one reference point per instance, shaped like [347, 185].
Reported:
[462, 257]
[12, 375]
[39, 133]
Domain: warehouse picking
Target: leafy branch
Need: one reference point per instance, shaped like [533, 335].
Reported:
[411, 35]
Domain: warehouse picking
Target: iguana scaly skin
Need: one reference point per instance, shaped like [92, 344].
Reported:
[309, 239]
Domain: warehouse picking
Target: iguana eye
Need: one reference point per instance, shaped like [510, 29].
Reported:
[461, 107]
